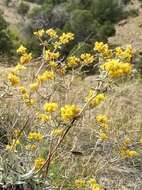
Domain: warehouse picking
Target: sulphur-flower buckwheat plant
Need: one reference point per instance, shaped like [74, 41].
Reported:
[51, 108]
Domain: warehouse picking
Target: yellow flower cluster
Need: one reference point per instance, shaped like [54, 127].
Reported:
[43, 117]
[66, 38]
[14, 79]
[81, 183]
[131, 153]
[68, 112]
[34, 86]
[94, 185]
[101, 119]
[50, 107]
[124, 54]
[39, 33]
[28, 100]
[47, 75]
[25, 58]
[73, 61]
[87, 58]
[103, 49]
[39, 162]
[35, 136]
[21, 49]
[99, 98]
[51, 33]
[22, 89]
[125, 151]
[19, 67]
[48, 56]
[115, 68]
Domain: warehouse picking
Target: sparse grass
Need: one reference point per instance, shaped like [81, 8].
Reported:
[107, 167]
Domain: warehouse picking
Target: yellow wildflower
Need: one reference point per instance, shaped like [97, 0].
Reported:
[28, 101]
[66, 37]
[35, 136]
[51, 32]
[79, 183]
[25, 58]
[14, 79]
[103, 136]
[48, 55]
[50, 107]
[73, 61]
[124, 54]
[21, 49]
[68, 112]
[99, 98]
[39, 33]
[22, 89]
[47, 75]
[56, 132]
[34, 86]
[101, 118]
[126, 141]
[100, 47]
[19, 67]
[115, 68]
[53, 64]
[103, 49]
[131, 153]
[39, 162]
[43, 117]
[87, 58]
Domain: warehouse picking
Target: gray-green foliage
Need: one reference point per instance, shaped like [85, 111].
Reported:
[5, 37]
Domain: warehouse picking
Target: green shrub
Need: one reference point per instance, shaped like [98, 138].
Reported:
[6, 44]
[23, 8]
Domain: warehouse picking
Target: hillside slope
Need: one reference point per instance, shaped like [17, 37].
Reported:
[129, 31]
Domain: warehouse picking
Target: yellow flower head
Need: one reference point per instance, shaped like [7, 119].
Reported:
[98, 99]
[68, 112]
[101, 119]
[79, 183]
[51, 33]
[39, 162]
[115, 68]
[66, 38]
[103, 49]
[50, 107]
[103, 136]
[35, 136]
[14, 79]
[39, 33]
[21, 49]
[34, 86]
[87, 58]
[131, 153]
[43, 117]
[47, 75]
[25, 58]
[48, 56]
[73, 61]
[19, 67]
[22, 89]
